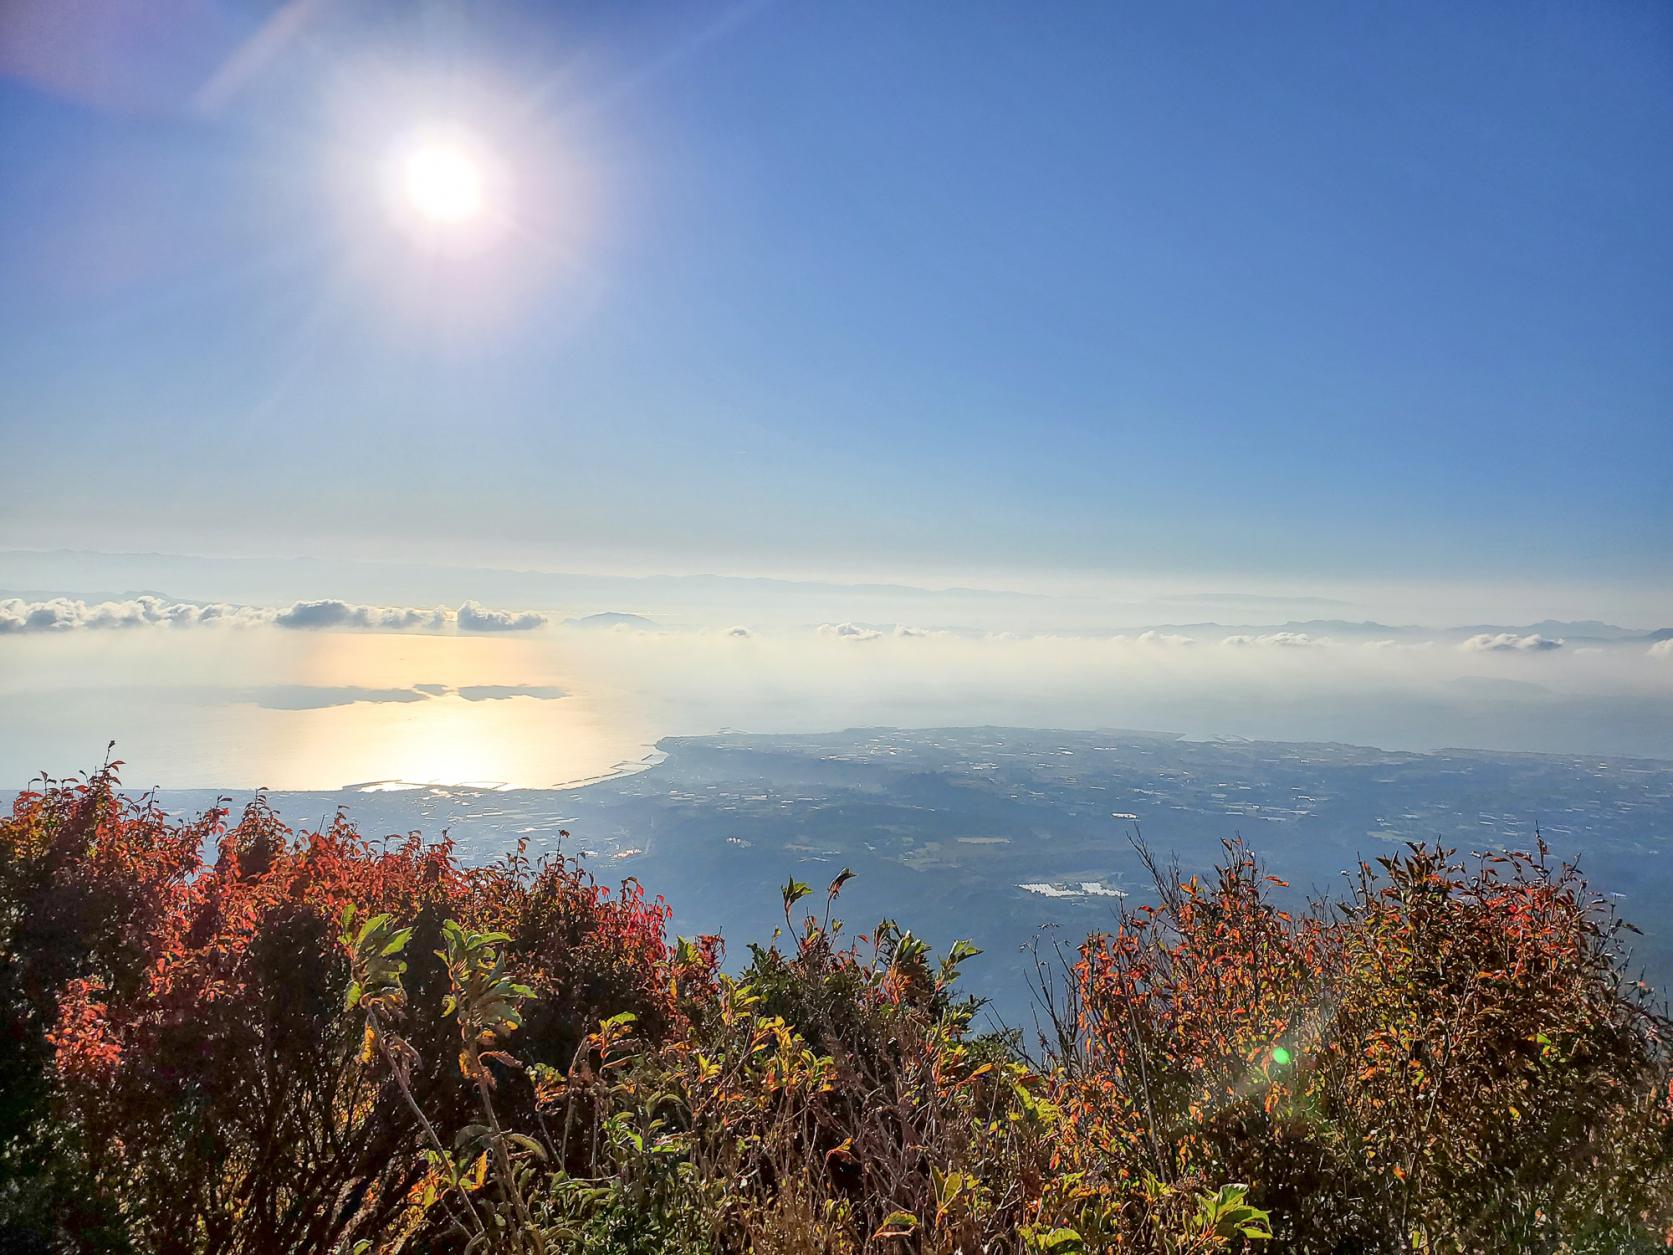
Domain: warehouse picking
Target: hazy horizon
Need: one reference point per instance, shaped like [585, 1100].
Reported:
[1114, 602]
[545, 680]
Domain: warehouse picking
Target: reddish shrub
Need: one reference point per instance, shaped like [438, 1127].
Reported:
[1452, 1052]
[191, 1017]
[1450, 1057]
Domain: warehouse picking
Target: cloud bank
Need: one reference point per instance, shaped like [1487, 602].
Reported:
[849, 631]
[1169, 640]
[64, 614]
[331, 613]
[1509, 642]
[1277, 640]
[475, 618]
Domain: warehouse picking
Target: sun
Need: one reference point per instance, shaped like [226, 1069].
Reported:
[442, 180]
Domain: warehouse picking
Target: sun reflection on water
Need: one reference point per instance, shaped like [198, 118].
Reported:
[322, 710]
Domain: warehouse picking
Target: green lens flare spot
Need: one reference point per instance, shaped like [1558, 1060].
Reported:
[1280, 1056]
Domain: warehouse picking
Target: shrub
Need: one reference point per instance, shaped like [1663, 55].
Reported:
[233, 1037]
[177, 1025]
[1450, 1059]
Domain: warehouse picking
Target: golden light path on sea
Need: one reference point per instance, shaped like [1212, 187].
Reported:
[307, 710]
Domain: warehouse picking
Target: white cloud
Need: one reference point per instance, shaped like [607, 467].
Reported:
[64, 614]
[1279, 640]
[475, 618]
[1150, 638]
[1662, 649]
[1510, 642]
[849, 631]
[40, 616]
[331, 613]
[1164, 639]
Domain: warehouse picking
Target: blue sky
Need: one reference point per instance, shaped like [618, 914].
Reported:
[1272, 294]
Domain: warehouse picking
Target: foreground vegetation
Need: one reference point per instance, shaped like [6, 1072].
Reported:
[313, 1042]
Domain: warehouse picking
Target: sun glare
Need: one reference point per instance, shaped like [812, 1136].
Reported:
[442, 181]
[455, 205]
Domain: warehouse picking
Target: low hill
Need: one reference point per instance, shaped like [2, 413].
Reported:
[612, 618]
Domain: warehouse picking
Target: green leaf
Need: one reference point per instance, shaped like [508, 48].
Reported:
[1061, 1241]
[528, 1144]
[897, 1224]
